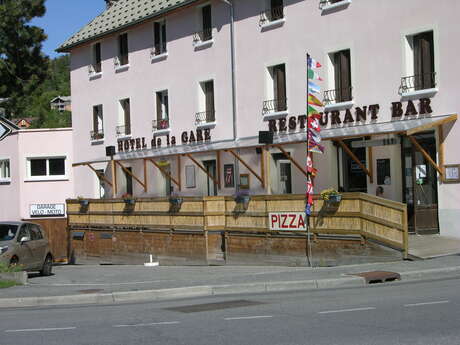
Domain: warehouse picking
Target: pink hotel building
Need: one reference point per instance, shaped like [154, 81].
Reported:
[176, 93]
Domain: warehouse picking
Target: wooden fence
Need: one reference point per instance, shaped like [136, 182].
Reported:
[194, 227]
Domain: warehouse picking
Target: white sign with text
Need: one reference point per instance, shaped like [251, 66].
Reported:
[287, 221]
[47, 210]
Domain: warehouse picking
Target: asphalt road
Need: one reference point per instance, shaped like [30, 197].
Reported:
[395, 313]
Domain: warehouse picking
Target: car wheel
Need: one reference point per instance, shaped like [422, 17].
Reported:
[47, 266]
[14, 261]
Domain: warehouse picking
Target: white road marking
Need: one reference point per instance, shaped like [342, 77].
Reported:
[346, 310]
[248, 317]
[149, 324]
[425, 303]
[39, 329]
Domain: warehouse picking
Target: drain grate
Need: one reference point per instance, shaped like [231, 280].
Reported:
[375, 277]
[196, 308]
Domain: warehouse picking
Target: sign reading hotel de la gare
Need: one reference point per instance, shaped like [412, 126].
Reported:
[334, 117]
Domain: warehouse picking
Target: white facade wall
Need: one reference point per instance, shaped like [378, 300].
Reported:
[374, 30]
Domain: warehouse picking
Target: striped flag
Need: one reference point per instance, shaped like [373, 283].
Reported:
[314, 87]
[314, 101]
[312, 63]
[313, 75]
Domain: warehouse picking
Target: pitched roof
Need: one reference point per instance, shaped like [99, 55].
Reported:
[120, 15]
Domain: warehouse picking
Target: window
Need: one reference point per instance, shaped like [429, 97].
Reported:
[206, 25]
[123, 50]
[124, 118]
[207, 113]
[48, 168]
[35, 233]
[96, 57]
[98, 123]
[5, 173]
[420, 69]
[159, 36]
[341, 78]
[274, 12]
[276, 90]
[162, 118]
[101, 183]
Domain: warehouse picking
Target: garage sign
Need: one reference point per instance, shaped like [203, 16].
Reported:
[287, 221]
[47, 210]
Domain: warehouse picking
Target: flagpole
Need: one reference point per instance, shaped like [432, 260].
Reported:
[310, 261]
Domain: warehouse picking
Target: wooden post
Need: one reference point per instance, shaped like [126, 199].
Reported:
[201, 167]
[353, 156]
[262, 167]
[246, 165]
[288, 156]
[101, 177]
[114, 178]
[145, 175]
[441, 151]
[130, 174]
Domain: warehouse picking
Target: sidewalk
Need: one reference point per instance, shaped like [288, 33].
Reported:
[86, 284]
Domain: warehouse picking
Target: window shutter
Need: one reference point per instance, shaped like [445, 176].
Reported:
[206, 11]
[158, 106]
[209, 95]
[418, 65]
[97, 57]
[95, 119]
[345, 75]
[427, 55]
[127, 116]
[156, 33]
[166, 105]
[163, 36]
[280, 87]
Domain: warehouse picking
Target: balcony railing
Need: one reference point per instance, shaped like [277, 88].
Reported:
[202, 36]
[97, 134]
[205, 117]
[271, 14]
[158, 49]
[417, 82]
[273, 106]
[338, 95]
[160, 124]
[123, 130]
[325, 3]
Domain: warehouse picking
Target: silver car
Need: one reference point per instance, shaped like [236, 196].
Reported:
[25, 244]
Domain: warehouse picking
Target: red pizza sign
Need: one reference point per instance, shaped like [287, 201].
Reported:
[287, 221]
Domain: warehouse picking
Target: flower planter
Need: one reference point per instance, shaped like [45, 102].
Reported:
[84, 203]
[175, 201]
[129, 202]
[335, 198]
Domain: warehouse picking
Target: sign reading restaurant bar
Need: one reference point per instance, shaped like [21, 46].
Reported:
[187, 138]
[47, 210]
[361, 115]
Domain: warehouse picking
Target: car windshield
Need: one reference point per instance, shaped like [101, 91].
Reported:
[7, 232]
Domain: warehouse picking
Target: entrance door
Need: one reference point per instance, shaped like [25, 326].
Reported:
[129, 181]
[354, 178]
[210, 167]
[420, 185]
[284, 167]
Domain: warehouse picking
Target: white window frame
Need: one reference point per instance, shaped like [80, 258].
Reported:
[164, 54]
[91, 70]
[46, 177]
[100, 121]
[117, 63]
[270, 89]
[331, 78]
[200, 44]
[4, 179]
[121, 117]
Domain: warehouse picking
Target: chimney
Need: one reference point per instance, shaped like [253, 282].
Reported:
[109, 3]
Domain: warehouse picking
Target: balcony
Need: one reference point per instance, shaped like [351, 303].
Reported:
[202, 38]
[274, 107]
[271, 15]
[158, 125]
[337, 96]
[123, 131]
[419, 83]
[205, 117]
[97, 134]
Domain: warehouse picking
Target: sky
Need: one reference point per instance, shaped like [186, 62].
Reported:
[63, 18]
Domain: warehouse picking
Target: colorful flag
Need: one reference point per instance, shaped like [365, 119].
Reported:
[313, 87]
[316, 148]
[314, 136]
[313, 75]
[310, 168]
[314, 101]
[312, 110]
[312, 63]
[308, 210]
[313, 122]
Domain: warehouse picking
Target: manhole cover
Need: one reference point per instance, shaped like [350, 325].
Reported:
[88, 291]
[375, 277]
[196, 308]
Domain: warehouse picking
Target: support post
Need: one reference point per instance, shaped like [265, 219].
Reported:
[114, 178]
[145, 175]
[201, 167]
[130, 174]
[353, 156]
[178, 173]
[371, 165]
[262, 167]
[426, 155]
[218, 169]
[100, 176]
[246, 165]
[441, 151]
[288, 156]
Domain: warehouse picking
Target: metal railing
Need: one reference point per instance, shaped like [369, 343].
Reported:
[160, 124]
[274, 105]
[417, 82]
[271, 14]
[202, 36]
[325, 3]
[158, 49]
[338, 95]
[205, 117]
[123, 130]
[97, 134]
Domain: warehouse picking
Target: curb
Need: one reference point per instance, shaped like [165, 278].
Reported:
[216, 290]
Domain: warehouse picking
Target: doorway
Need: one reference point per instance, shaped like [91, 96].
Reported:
[129, 181]
[420, 184]
[284, 173]
[354, 179]
[210, 167]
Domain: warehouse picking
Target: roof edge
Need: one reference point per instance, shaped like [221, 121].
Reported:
[66, 49]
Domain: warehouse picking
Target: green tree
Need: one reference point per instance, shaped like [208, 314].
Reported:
[23, 66]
